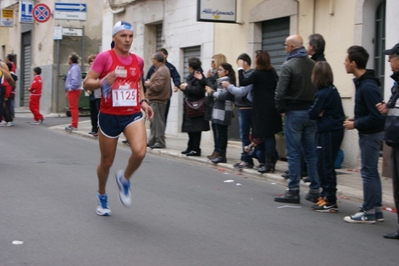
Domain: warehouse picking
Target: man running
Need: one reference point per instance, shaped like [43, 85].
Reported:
[118, 73]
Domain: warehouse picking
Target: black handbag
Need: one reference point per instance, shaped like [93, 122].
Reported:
[195, 108]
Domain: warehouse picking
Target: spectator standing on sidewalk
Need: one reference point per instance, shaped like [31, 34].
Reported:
[212, 77]
[5, 79]
[194, 90]
[158, 94]
[370, 124]
[8, 100]
[10, 59]
[222, 108]
[244, 106]
[294, 96]
[316, 47]
[391, 110]
[36, 93]
[174, 74]
[119, 74]
[329, 115]
[266, 121]
[12, 96]
[73, 85]
[95, 101]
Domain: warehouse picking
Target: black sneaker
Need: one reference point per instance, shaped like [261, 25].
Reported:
[285, 175]
[325, 207]
[379, 217]
[259, 166]
[290, 196]
[313, 197]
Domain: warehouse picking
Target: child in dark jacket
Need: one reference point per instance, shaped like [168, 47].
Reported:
[329, 115]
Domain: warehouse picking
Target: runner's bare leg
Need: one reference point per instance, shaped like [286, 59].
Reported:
[137, 136]
[108, 150]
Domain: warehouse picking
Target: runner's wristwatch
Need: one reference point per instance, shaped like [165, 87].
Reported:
[145, 100]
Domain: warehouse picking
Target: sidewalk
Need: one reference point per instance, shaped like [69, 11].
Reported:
[349, 180]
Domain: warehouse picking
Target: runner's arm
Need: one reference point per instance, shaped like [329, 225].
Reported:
[91, 82]
[149, 113]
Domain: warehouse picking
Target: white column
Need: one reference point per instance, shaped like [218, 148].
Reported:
[108, 25]
[391, 38]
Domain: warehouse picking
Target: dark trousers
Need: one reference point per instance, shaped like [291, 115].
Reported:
[167, 108]
[4, 106]
[395, 176]
[94, 108]
[194, 141]
[222, 136]
[8, 109]
[327, 147]
[215, 137]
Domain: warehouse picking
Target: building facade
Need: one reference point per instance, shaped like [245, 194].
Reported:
[261, 24]
[44, 44]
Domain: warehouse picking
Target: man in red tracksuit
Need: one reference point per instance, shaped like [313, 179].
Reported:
[36, 92]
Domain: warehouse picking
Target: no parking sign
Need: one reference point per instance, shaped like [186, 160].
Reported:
[41, 13]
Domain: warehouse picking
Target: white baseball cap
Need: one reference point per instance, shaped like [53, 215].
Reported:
[121, 25]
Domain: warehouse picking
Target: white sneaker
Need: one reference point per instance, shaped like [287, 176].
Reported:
[124, 189]
[102, 205]
[3, 123]
[9, 124]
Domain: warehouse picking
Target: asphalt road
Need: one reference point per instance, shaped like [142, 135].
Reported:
[182, 213]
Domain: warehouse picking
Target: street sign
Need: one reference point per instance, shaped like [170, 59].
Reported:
[57, 33]
[7, 17]
[217, 11]
[70, 11]
[41, 13]
[25, 14]
[72, 32]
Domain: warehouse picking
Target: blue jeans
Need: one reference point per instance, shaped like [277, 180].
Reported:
[370, 145]
[300, 133]
[245, 123]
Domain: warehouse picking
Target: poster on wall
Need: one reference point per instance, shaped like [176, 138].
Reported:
[217, 11]
[7, 17]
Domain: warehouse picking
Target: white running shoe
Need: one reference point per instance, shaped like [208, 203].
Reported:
[102, 205]
[124, 189]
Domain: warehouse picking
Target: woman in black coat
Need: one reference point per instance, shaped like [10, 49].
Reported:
[266, 121]
[194, 90]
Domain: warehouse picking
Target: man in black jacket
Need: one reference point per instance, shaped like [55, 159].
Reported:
[316, 47]
[294, 96]
[370, 124]
[391, 110]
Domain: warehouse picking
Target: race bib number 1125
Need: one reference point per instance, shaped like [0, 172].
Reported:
[124, 97]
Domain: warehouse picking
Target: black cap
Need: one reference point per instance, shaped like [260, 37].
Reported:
[394, 50]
